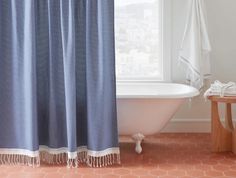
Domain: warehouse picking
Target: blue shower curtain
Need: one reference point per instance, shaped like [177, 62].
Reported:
[57, 82]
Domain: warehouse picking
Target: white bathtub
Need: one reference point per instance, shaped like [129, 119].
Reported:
[146, 109]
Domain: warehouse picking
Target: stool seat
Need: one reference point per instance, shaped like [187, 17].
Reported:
[223, 137]
[225, 99]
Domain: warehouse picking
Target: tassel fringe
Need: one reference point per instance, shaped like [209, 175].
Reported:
[61, 158]
[12, 159]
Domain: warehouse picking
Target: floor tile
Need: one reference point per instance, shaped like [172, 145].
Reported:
[163, 156]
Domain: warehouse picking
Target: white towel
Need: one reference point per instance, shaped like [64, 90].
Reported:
[222, 89]
[195, 47]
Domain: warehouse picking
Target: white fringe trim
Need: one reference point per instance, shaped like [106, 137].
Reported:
[193, 76]
[102, 158]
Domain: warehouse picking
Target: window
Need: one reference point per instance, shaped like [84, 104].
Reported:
[139, 40]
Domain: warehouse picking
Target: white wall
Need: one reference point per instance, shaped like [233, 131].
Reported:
[222, 30]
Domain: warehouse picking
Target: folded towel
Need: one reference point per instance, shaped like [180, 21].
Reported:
[222, 89]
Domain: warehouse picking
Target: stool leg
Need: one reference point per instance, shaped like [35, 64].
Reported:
[234, 142]
[228, 117]
[221, 137]
[231, 126]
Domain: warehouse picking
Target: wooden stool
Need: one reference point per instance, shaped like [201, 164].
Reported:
[223, 138]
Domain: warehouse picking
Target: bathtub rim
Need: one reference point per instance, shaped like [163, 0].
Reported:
[193, 92]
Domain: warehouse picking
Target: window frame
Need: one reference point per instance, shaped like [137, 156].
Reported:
[166, 49]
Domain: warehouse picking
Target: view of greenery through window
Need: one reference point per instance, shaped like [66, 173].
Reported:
[138, 39]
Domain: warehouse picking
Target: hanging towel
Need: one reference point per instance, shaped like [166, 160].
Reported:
[222, 89]
[195, 47]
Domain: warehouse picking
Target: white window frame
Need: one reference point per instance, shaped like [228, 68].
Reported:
[166, 48]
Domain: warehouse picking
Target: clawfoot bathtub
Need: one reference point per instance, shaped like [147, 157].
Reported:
[146, 109]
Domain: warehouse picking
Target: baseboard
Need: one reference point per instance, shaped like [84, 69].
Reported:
[177, 125]
[200, 125]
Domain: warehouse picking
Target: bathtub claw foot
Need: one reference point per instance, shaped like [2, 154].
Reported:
[138, 138]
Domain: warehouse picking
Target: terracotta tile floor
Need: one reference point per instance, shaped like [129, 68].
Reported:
[164, 156]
